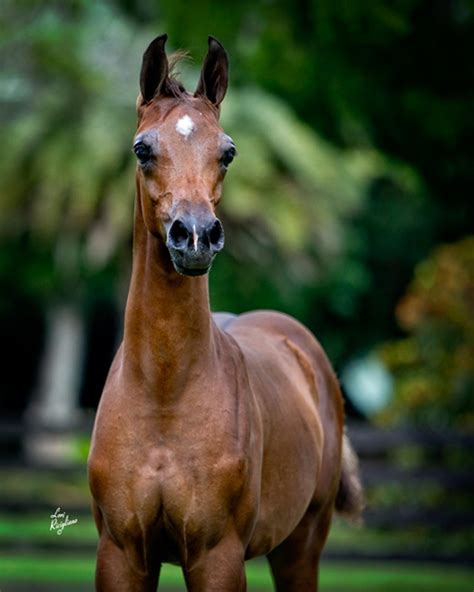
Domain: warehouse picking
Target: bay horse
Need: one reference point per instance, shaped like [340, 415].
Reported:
[217, 438]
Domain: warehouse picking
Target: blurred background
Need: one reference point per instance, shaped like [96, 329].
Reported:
[349, 206]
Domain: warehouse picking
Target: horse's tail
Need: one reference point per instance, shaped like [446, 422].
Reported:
[350, 496]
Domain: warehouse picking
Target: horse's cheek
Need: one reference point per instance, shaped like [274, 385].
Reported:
[152, 214]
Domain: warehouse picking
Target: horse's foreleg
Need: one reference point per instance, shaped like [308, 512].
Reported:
[117, 572]
[295, 562]
[220, 569]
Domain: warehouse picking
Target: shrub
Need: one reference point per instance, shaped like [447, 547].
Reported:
[433, 367]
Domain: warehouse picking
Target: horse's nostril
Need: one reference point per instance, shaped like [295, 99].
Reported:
[178, 235]
[216, 235]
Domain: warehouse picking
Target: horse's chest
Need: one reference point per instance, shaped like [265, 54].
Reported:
[160, 489]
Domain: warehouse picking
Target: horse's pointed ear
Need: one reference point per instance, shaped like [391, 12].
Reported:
[214, 73]
[154, 72]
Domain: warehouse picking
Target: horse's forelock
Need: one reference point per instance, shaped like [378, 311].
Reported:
[174, 86]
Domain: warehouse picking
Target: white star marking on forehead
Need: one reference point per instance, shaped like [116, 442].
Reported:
[185, 126]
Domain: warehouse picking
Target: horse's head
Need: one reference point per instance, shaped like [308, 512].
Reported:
[183, 155]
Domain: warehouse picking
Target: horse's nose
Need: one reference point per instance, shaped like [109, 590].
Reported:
[192, 235]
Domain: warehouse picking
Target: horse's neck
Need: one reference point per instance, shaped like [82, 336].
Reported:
[168, 328]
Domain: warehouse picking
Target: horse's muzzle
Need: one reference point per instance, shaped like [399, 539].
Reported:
[193, 244]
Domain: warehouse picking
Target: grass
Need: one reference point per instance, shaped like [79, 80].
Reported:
[36, 528]
[335, 577]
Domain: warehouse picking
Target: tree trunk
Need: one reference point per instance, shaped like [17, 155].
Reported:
[55, 403]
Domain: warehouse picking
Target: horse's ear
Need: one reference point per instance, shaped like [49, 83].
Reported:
[154, 72]
[214, 73]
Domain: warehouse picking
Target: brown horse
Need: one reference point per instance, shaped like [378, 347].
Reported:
[218, 438]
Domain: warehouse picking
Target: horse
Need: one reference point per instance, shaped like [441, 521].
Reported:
[217, 438]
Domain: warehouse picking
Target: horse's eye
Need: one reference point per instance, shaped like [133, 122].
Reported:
[142, 152]
[228, 156]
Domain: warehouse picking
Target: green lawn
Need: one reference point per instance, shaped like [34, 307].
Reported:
[335, 577]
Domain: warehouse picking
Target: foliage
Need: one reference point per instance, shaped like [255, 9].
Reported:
[393, 78]
[67, 172]
[390, 75]
[64, 174]
[433, 367]
[324, 219]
